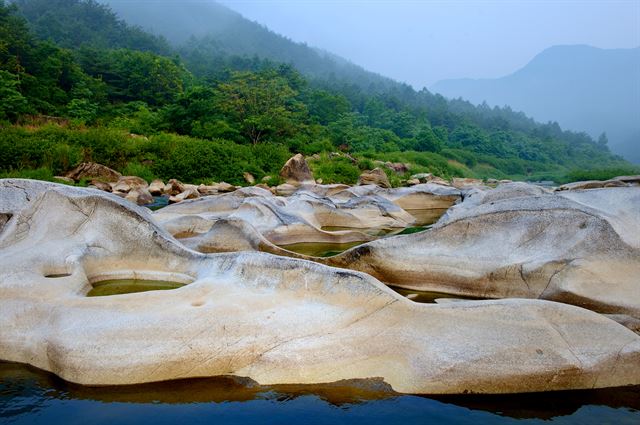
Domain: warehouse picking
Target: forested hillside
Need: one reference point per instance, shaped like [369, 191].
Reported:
[125, 98]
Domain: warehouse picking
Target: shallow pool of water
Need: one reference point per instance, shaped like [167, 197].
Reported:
[327, 249]
[29, 396]
[129, 286]
[428, 297]
[319, 249]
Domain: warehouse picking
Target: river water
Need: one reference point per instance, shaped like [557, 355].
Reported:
[29, 396]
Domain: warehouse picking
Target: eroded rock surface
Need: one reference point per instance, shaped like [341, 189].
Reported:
[272, 319]
[577, 247]
[313, 213]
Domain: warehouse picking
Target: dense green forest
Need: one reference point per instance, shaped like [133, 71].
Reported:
[79, 84]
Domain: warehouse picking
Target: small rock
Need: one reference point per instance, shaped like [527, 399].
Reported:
[106, 187]
[65, 179]
[189, 193]
[266, 179]
[174, 187]
[422, 177]
[208, 190]
[412, 182]
[285, 189]
[440, 181]
[225, 187]
[375, 176]
[460, 183]
[397, 167]
[156, 188]
[248, 177]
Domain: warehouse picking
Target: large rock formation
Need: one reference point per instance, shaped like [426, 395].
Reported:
[272, 319]
[301, 217]
[296, 171]
[578, 247]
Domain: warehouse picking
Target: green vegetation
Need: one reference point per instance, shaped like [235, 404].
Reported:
[78, 84]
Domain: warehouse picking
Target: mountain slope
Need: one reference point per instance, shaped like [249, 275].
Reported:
[580, 87]
[209, 28]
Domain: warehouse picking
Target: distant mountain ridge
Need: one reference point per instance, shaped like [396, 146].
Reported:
[581, 87]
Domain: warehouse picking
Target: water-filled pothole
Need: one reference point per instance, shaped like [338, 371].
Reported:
[429, 297]
[320, 249]
[130, 286]
[328, 249]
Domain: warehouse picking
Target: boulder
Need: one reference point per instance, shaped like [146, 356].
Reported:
[208, 190]
[128, 183]
[189, 193]
[100, 185]
[397, 167]
[224, 187]
[156, 188]
[271, 319]
[376, 176]
[463, 183]
[139, 196]
[174, 187]
[296, 171]
[91, 170]
[248, 177]
[412, 182]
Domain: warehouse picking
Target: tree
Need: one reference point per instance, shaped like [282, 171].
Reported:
[427, 141]
[12, 103]
[327, 107]
[603, 140]
[132, 75]
[262, 106]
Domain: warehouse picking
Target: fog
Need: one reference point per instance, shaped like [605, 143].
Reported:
[422, 42]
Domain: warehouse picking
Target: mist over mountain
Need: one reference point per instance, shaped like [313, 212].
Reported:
[205, 29]
[583, 88]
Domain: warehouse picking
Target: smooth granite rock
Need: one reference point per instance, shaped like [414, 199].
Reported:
[275, 320]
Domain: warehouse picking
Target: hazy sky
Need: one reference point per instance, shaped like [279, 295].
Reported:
[421, 42]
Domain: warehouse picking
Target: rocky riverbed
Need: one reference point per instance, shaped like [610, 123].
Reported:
[560, 267]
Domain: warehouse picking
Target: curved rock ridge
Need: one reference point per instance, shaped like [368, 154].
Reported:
[275, 320]
[314, 213]
[577, 247]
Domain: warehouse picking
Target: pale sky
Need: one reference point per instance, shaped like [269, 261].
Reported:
[423, 41]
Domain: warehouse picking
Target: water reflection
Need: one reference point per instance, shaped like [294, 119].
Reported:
[31, 396]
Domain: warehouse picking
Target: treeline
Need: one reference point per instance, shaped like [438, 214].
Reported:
[76, 61]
